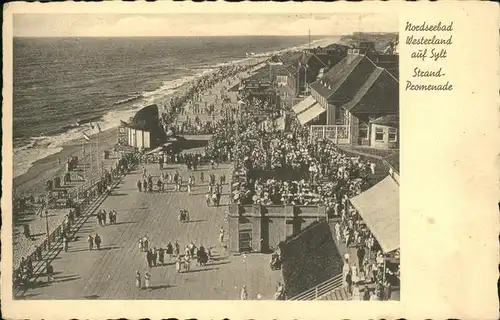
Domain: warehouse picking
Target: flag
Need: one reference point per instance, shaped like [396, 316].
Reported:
[98, 127]
[85, 136]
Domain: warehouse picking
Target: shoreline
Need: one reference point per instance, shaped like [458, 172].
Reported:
[41, 170]
[34, 180]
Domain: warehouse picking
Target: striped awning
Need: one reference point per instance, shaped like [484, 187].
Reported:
[310, 113]
[304, 105]
[379, 208]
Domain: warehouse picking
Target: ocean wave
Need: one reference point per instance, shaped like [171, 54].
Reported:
[52, 142]
[129, 99]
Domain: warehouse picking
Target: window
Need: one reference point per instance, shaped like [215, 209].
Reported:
[393, 135]
[379, 134]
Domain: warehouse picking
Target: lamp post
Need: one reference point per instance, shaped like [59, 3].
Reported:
[46, 214]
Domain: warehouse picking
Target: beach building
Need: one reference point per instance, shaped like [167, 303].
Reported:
[349, 102]
[306, 69]
[145, 131]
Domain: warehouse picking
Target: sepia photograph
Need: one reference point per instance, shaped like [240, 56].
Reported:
[209, 156]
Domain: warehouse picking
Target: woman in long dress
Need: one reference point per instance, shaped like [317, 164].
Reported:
[187, 262]
[170, 250]
[355, 276]
[147, 280]
[355, 292]
[244, 294]
[178, 264]
[138, 280]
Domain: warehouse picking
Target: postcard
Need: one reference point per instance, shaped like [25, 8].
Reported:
[280, 160]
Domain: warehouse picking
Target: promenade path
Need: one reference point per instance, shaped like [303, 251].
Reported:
[209, 95]
[110, 272]
[23, 246]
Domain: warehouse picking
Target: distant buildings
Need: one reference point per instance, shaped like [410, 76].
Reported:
[349, 94]
[354, 102]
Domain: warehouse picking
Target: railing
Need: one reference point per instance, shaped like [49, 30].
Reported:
[321, 289]
[339, 134]
[40, 254]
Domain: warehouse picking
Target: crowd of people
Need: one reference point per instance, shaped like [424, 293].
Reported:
[370, 267]
[287, 169]
[193, 92]
[102, 217]
[171, 254]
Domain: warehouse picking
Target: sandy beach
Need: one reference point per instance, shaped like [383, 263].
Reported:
[35, 179]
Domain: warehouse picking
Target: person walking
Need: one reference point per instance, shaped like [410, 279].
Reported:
[161, 256]
[178, 264]
[244, 293]
[148, 258]
[154, 255]
[189, 185]
[90, 241]
[221, 236]
[65, 241]
[99, 217]
[97, 240]
[170, 250]
[147, 280]
[177, 249]
[138, 279]
[208, 198]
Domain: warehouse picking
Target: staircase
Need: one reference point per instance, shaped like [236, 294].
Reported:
[337, 294]
[330, 289]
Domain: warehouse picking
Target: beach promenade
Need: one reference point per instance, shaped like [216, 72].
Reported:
[110, 272]
[209, 96]
[34, 181]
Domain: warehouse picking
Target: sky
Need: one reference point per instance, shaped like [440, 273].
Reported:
[127, 25]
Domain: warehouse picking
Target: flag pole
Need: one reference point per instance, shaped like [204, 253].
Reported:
[98, 155]
[91, 157]
[83, 161]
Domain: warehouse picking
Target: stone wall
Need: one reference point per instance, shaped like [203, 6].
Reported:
[268, 225]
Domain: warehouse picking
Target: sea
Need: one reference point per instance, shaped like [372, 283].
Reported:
[58, 82]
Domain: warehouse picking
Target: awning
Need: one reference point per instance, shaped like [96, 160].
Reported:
[379, 208]
[310, 113]
[303, 105]
[154, 150]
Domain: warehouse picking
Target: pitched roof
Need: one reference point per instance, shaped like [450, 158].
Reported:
[364, 89]
[337, 76]
[359, 86]
[379, 95]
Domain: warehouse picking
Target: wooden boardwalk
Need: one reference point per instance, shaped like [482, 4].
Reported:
[110, 272]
